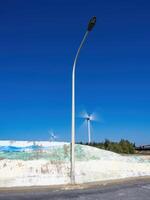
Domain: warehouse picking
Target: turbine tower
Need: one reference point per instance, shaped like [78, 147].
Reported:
[88, 118]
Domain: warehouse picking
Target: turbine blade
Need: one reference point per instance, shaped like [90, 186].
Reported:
[94, 117]
[84, 114]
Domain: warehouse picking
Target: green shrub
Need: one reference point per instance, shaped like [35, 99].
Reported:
[123, 146]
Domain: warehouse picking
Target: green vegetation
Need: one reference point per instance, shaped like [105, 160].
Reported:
[124, 146]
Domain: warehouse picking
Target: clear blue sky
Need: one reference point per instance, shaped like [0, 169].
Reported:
[38, 42]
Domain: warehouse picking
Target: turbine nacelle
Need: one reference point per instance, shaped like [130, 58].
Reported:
[89, 118]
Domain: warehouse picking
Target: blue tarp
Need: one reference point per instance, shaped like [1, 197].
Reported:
[19, 149]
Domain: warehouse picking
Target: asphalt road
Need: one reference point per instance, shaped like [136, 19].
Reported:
[137, 190]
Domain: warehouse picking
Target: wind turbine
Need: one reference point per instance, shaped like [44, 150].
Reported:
[52, 135]
[89, 118]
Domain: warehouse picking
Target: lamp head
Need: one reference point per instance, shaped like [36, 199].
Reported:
[92, 23]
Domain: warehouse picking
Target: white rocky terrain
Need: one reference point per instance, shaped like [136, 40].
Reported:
[24, 163]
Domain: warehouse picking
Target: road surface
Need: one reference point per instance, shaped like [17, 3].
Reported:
[137, 190]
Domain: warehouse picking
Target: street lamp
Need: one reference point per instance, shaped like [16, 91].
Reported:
[89, 28]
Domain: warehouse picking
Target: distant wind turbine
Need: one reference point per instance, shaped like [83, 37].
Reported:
[52, 135]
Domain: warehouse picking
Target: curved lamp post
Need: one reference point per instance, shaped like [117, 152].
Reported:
[89, 28]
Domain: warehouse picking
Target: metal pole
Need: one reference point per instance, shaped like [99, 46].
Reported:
[73, 112]
[91, 24]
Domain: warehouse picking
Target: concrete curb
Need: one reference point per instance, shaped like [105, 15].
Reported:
[90, 185]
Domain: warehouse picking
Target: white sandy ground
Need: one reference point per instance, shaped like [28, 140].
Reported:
[108, 166]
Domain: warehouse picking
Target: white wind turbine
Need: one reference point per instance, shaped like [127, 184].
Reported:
[52, 135]
[89, 118]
